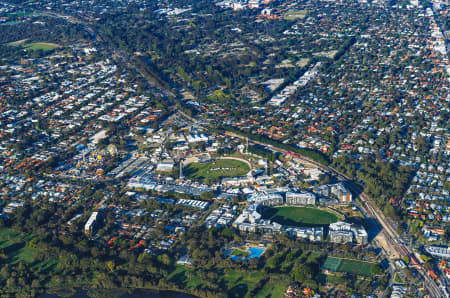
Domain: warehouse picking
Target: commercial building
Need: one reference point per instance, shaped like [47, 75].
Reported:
[438, 251]
[341, 236]
[343, 194]
[344, 232]
[165, 166]
[250, 221]
[339, 190]
[91, 224]
[266, 199]
[310, 233]
[303, 198]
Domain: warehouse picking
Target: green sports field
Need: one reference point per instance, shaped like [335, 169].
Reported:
[295, 216]
[295, 14]
[44, 46]
[216, 169]
[349, 266]
[20, 14]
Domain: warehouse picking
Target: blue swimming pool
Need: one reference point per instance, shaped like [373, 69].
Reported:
[255, 252]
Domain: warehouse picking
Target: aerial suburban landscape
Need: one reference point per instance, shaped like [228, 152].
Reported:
[224, 148]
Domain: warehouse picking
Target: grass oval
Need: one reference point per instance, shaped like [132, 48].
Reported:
[297, 216]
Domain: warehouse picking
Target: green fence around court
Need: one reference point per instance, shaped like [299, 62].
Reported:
[332, 264]
[362, 268]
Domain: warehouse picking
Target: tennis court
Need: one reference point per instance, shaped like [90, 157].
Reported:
[332, 264]
[350, 266]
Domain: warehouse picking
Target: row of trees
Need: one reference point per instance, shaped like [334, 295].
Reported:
[382, 181]
[313, 154]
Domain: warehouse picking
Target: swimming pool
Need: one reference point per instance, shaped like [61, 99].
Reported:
[255, 252]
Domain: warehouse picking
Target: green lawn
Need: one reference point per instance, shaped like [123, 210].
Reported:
[240, 253]
[41, 46]
[313, 257]
[15, 248]
[295, 14]
[14, 245]
[11, 23]
[350, 266]
[185, 277]
[216, 169]
[398, 279]
[20, 14]
[275, 287]
[238, 283]
[296, 216]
